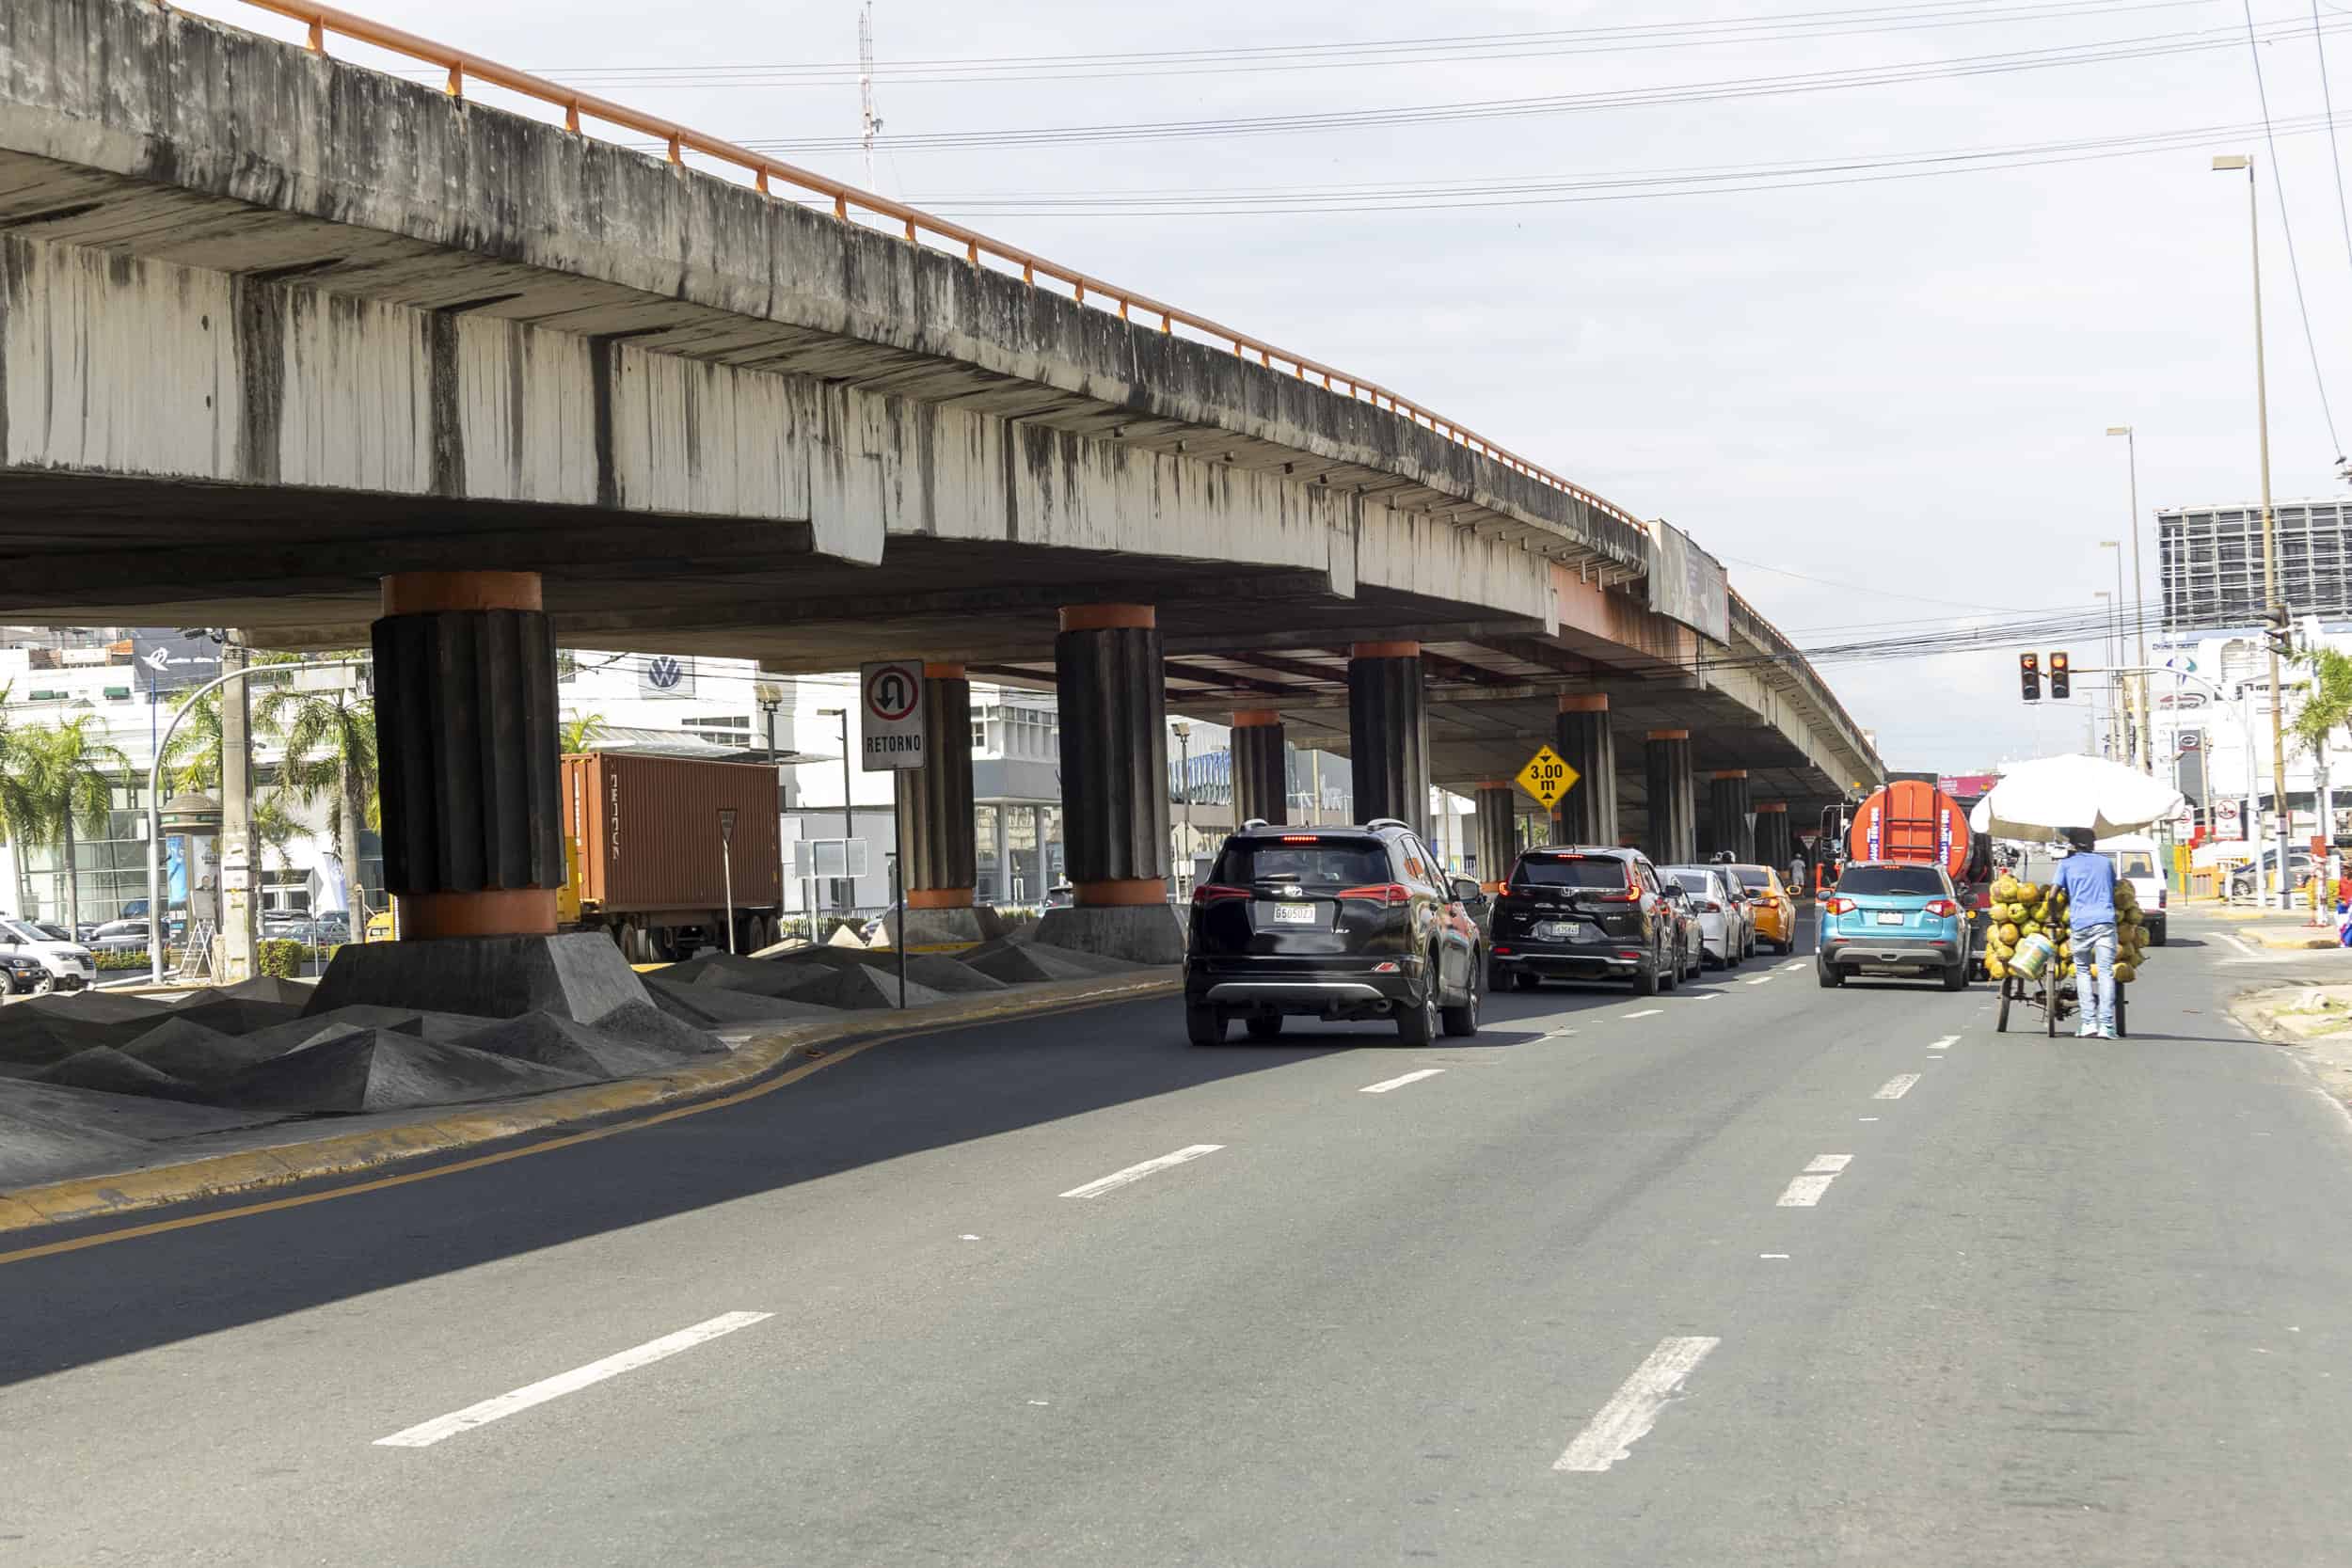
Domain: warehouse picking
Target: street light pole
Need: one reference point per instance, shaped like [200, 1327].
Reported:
[2106, 646]
[2125, 695]
[1183, 732]
[849, 821]
[2140, 598]
[2271, 607]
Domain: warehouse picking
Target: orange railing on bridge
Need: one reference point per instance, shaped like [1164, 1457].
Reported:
[919, 226]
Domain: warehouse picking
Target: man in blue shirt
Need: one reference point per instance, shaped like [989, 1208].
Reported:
[2088, 880]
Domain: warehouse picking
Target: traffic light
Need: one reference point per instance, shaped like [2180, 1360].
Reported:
[2061, 676]
[2029, 675]
[2279, 632]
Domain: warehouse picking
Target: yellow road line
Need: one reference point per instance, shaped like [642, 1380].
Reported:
[794, 1075]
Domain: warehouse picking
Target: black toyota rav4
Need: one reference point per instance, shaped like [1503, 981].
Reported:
[1585, 913]
[1332, 922]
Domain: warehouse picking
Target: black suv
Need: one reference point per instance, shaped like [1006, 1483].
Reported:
[1332, 922]
[1579, 912]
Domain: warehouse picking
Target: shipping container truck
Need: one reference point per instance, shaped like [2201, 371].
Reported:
[660, 846]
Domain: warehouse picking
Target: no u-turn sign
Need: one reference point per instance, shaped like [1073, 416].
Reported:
[891, 733]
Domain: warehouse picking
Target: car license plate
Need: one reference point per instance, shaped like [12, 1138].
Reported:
[1559, 930]
[1889, 917]
[1293, 914]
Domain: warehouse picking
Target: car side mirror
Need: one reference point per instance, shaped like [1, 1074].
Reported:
[1467, 891]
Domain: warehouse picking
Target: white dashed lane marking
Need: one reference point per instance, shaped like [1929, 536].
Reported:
[1897, 1087]
[1387, 1084]
[1806, 1189]
[1633, 1410]
[1761, 980]
[1136, 1173]
[1646, 1012]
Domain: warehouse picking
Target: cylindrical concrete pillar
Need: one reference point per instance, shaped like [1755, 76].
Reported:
[1388, 747]
[1588, 813]
[1673, 836]
[938, 853]
[1773, 844]
[1261, 768]
[466, 752]
[1114, 753]
[1497, 833]
[1729, 824]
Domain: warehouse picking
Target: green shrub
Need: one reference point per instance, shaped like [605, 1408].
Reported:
[280, 958]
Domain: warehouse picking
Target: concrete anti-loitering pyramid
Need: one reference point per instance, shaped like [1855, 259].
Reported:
[1019, 962]
[31, 1039]
[186, 1051]
[861, 987]
[111, 1072]
[940, 972]
[384, 1070]
[573, 1047]
[723, 1006]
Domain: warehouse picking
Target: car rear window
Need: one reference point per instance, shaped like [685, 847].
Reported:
[1753, 875]
[1327, 864]
[1593, 871]
[1893, 880]
[1694, 881]
[2135, 862]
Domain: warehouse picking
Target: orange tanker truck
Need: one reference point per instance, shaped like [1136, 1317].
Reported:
[1911, 820]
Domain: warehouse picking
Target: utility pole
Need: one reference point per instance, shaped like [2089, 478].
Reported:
[236, 820]
[869, 124]
[2140, 598]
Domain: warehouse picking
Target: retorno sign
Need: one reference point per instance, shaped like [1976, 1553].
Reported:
[1687, 584]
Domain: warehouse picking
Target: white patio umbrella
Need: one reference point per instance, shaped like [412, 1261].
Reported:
[2035, 799]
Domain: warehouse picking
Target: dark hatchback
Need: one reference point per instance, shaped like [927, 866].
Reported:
[1585, 913]
[1331, 922]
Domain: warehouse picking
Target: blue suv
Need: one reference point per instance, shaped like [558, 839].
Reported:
[1890, 915]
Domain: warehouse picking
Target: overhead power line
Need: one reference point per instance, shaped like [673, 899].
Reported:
[2286, 225]
[2155, 46]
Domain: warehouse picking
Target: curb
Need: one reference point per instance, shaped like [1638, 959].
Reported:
[350, 1154]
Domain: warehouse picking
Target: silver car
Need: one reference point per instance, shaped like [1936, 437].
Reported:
[1726, 923]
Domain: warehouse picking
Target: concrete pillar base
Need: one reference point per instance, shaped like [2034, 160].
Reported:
[943, 930]
[1140, 933]
[576, 975]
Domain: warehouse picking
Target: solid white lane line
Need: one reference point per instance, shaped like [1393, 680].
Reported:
[1832, 1163]
[1799, 964]
[1805, 1192]
[1897, 1087]
[1945, 1043]
[1387, 1084]
[1136, 1173]
[1646, 1012]
[1761, 979]
[1705, 996]
[1631, 1412]
[2233, 940]
[425, 1434]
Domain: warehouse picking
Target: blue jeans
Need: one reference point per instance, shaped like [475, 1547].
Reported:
[2095, 944]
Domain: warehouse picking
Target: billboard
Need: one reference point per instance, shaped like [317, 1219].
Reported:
[169, 660]
[1686, 584]
[666, 675]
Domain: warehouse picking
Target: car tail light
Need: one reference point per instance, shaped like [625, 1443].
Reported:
[2160, 896]
[1941, 907]
[1300, 838]
[1629, 952]
[1504, 951]
[1838, 904]
[1391, 894]
[1217, 893]
[1386, 967]
[1710, 907]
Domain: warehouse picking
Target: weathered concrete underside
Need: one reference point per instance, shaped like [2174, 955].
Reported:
[273, 326]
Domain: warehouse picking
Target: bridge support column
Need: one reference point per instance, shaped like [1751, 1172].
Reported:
[1388, 746]
[938, 851]
[1261, 768]
[1114, 785]
[1773, 844]
[1498, 834]
[1728, 822]
[1673, 836]
[1588, 813]
[474, 842]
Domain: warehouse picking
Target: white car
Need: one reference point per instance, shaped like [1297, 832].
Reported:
[1726, 926]
[2134, 858]
[68, 963]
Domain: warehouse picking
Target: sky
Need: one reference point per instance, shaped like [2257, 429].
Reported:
[1881, 400]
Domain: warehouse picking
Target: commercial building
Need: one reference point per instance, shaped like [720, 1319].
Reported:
[2210, 563]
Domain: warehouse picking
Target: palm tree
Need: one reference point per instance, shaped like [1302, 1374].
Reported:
[577, 734]
[20, 813]
[192, 761]
[329, 739]
[70, 771]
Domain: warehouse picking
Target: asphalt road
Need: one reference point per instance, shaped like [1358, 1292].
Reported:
[1750, 1273]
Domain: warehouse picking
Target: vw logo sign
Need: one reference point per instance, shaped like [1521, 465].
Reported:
[662, 673]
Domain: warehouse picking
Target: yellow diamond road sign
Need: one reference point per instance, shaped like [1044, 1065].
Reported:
[1548, 776]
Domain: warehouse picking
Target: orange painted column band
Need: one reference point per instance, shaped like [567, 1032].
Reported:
[1729, 773]
[424, 592]
[1667, 735]
[1584, 702]
[939, 898]
[1254, 718]
[1384, 650]
[528, 911]
[1771, 805]
[944, 672]
[1108, 617]
[1496, 784]
[1126, 893]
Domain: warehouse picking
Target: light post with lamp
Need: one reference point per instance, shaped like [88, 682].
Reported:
[2139, 596]
[848, 820]
[1183, 732]
[2123, 696]
[2106, 644]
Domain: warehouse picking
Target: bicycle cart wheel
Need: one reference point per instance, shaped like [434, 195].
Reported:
[2009, 988]
[2121, 1033]
[2050, 1000]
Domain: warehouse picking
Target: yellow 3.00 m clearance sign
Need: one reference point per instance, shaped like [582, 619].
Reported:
[1548, 776]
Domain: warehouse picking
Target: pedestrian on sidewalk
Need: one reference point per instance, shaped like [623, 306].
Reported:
[2088, 880]
[1796, 876]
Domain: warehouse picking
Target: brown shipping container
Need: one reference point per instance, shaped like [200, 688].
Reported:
[649, 832]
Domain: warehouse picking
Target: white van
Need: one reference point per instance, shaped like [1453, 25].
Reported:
[2134, 858]
[68, 963]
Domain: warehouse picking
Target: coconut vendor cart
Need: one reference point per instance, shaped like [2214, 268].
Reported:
[2028, 949]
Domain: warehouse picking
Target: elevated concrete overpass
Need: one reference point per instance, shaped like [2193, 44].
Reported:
[323, 352]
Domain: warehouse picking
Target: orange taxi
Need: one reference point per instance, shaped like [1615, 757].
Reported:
[1775, 910]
